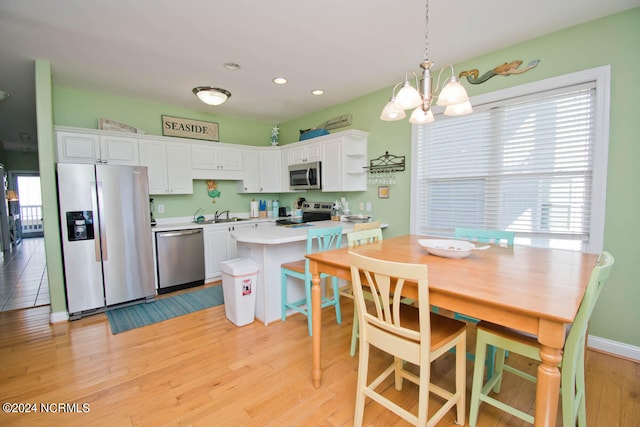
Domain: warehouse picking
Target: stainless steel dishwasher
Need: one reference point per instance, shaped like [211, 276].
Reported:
[180, 259]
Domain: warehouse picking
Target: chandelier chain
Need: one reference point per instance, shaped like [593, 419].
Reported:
[426, 30]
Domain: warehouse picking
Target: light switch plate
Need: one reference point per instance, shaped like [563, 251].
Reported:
[361, 206]
[368, 206]
[160, 208]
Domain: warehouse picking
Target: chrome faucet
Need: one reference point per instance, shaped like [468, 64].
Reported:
[195, 215]
[217, 215]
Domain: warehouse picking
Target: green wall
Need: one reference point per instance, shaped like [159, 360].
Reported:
[606, 41]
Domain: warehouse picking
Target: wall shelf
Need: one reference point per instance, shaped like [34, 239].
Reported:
[386, 163]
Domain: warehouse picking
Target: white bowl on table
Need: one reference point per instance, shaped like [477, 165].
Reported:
[447, 248]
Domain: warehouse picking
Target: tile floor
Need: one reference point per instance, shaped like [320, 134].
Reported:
[23, 276]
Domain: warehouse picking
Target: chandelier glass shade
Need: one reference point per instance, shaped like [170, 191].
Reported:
[453, 95]
[211, 95]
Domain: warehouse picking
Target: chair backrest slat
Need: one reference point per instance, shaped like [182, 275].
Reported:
[364, 237]
[327, 238]
[385, 280]
[485, 236]
[359, 226]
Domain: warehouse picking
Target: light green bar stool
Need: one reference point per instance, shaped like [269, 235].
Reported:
[572, 386]
[327, 238]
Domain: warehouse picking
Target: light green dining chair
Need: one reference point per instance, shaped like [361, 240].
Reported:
[354, 239]
[572, 386]
[326, 239]
[483, 236]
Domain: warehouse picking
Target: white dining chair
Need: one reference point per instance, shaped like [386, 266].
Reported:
[408, 333]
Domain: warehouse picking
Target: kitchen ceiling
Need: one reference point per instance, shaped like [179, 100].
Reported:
[159, 50]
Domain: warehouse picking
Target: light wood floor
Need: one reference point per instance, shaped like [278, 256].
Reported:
[200, 369]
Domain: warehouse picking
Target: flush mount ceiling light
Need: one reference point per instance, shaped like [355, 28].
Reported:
[211, 95]
[453, 95]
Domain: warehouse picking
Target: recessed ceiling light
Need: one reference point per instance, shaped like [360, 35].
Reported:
[231, 66]
[279, 80]
[317, 92]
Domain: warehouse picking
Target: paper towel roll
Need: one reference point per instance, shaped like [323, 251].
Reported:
[254, 209]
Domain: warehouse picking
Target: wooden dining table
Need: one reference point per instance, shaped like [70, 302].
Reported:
[534, 290]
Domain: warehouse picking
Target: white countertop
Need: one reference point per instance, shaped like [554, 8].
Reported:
[278, 234]
[267, 234]
[186, 223]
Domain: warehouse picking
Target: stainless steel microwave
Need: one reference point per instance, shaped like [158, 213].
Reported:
[305, 176]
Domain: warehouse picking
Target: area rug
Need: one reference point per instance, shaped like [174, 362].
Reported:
[134, 316]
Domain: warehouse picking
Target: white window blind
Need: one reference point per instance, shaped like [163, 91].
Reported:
[523, 164]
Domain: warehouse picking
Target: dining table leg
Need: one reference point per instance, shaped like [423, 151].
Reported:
[551, 338]
[316, 319]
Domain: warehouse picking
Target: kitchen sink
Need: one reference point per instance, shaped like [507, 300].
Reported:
[234, 219]
[220, 220]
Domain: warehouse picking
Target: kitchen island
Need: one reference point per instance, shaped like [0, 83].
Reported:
[271, 247]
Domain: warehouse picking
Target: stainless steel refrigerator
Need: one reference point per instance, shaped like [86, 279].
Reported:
[106, 236]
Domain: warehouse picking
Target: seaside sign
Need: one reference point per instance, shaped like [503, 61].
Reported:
[187, 128]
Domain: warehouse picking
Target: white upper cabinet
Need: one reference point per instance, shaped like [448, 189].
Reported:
[343, 162]
[96, 147]
[304, 152]
[119, 150]
[216, 161]
[263, 171]
[168, 165]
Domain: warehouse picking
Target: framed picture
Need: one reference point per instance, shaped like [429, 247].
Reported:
[383, 192]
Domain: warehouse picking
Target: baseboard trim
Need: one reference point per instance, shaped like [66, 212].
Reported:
[59, 316]
[616, 348]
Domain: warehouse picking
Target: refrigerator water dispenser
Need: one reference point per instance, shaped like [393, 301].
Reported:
[80, 225]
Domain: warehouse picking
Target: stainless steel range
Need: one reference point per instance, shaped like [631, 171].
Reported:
[311, 211]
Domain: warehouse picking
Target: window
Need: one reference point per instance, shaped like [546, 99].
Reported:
[530, 159]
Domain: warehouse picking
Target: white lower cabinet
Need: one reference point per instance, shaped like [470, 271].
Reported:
[215, 250]
[219, 245]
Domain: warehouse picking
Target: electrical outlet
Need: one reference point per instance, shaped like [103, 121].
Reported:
[368, 206]
[160, 208]
[361, 206]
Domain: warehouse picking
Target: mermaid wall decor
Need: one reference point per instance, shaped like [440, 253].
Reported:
[505, 69]
[212, 190]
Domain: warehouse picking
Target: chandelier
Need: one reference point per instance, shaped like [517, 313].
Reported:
[453, 95]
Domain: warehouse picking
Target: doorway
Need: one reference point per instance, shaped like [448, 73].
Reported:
[28, 205]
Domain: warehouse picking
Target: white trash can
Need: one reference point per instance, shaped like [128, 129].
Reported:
[239, 280]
